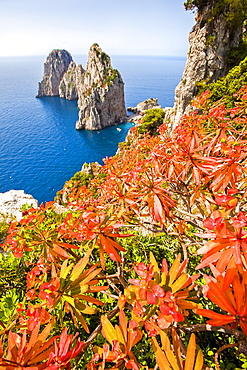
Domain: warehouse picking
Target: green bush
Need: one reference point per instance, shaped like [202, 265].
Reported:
[228, 86]
[237, 54]
[151, 121]
[82, 177]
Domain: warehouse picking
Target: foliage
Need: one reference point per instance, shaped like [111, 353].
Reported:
[147, 261]
[152, 119]
[82, 178]
[234, 11]
[237, 54]
[3, 228]
[228, 86]
[12, 274]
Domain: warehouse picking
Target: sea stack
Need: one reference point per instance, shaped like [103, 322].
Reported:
[99, 89]
[56, 65]
[101, 96]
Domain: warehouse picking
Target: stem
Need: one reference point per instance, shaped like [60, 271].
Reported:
[216, 356]
[220, 329]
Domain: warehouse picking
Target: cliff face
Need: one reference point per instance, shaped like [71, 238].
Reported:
[99, 89]
[56, 65]
[209, 44]
[101, 95]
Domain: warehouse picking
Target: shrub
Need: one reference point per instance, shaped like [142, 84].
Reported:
[152, 119]
[226, 88]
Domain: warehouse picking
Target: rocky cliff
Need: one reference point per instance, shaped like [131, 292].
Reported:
[99, 89]
[210, 41]
[101, 95]
[56, 65]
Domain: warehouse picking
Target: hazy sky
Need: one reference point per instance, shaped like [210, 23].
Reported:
[125, 27]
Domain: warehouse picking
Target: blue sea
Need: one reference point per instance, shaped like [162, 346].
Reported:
[40, 148]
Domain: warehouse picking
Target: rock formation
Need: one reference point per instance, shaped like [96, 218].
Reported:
[68, 87]
[209, 45]
[56, 65]
[12, 201]
[145, 105]
[99, 89]
[101, 96]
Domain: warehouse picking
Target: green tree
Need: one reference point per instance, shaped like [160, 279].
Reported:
[151, 121]
[234, 11]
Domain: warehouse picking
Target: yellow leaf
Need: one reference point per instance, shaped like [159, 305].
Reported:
[108, 330]
[65, 269]
[69, 299]
[119, 334]
[89, 310]
[174, 269]
[79, 267]
[163, 279]
[178, 284]
[154, 262]
[91, 276]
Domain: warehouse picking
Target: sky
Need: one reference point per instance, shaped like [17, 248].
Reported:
[120, 27]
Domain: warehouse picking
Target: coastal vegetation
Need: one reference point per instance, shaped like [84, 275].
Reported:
[234, 11]
[226, 88]
[143, 266]
[150, 122]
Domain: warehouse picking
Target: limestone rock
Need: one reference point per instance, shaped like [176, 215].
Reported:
[101, 95]
[12, 201]
[56, 65]
[148, 104]
[209, 44]
[68, 87]
[145, 105]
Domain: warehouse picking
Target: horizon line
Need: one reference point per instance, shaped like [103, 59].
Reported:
[122, 55]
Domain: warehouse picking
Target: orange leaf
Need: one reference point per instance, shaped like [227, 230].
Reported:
[161, 358]
[190, 354]
[199, 360]
[123, 324]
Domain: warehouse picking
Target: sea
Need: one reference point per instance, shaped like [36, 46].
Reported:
[40, 148]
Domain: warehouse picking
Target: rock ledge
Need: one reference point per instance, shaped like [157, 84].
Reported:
[12, 201]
